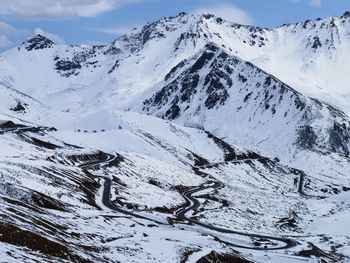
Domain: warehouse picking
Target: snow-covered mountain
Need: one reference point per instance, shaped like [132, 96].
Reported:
[248, 132]
[134, 63]
[124, 73]
[248, 106]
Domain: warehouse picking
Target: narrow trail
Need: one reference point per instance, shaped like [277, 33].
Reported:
[24, 129]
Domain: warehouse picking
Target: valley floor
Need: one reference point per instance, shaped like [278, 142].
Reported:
[153, 191]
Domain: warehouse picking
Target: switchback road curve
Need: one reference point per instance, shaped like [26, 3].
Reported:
[192, 204]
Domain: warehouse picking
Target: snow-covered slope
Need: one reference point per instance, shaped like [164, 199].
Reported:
[21, 106]
[46, 196]
[189, 133]
[238, 101]
[137, 65]
[310, 56]
[117, 73]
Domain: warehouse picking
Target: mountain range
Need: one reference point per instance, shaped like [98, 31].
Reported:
[215, 140]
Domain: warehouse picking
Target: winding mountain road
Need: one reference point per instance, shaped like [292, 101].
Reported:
[106, 196]
[192, 203]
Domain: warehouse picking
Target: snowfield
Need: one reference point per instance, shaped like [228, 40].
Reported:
[191, 139]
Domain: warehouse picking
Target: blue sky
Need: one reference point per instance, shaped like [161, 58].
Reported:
[101, 21]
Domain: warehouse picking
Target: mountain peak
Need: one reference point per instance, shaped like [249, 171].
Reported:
[38, 42]
[346, 14]
[181, 14]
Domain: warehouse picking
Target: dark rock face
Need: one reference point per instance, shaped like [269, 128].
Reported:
[38, 42]
[317, 43]
[174, 111]
[115, 66]
[306, 23]
[211, 76]
[10, 125]
[85, 57]
[112, 50]
[174, 70]
[150, 32]
[188, 85]
[307, 138]
[186, 37]
[203, 60]
[335, 139]
[222, 258]
[339, 137]
[256, 35]
[218, 81]
[188, 88]
[20, 107]
[208, 16]
[67, 67]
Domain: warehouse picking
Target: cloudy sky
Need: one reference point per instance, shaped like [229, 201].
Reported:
[101, 21]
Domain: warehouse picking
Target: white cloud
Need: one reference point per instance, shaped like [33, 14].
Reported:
[5, 41]
[9, 33]
[55, 38]
[117, 31]
[11, 36]
[228, 12]
[58, 9]
[317, 3]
